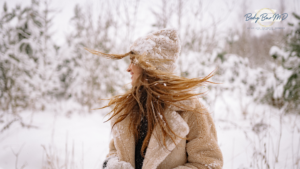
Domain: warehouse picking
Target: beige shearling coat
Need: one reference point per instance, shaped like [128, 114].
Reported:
[201, 151]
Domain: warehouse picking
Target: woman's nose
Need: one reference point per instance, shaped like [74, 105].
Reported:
[129, 68]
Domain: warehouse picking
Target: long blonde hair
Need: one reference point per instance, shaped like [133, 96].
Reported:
[153, 92]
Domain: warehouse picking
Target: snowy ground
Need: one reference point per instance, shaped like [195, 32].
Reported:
[252, 136]
[256, 136]
[78, 141]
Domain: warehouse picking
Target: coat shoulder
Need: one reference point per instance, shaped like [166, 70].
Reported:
[200, 119]
[199, 106]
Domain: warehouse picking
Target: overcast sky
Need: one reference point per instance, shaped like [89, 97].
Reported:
[235, 19]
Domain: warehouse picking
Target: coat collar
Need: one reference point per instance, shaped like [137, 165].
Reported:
[124, 141]
[156, 152]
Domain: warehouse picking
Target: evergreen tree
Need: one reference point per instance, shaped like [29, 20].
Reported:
[27, 58]
[291, 91]
[289, 59]
[85, 77]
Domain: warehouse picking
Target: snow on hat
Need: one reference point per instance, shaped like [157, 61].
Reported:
[161, 44]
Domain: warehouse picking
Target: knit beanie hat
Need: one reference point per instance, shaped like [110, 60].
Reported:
[161, 44]
[159, 50]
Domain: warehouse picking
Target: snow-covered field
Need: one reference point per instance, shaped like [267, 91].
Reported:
[59, 141]
[252, 136]
[36, 70]
[256, 136]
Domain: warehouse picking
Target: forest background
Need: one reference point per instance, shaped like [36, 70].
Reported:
[50, 86]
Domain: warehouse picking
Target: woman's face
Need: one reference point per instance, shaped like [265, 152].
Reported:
[135, 71]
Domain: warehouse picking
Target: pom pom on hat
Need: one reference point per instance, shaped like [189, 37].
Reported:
[161, 44]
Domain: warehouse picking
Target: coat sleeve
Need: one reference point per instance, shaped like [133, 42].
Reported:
[202, 144]
[111, 154]
[112, 149]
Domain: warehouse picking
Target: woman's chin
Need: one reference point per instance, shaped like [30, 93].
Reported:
[133, 82]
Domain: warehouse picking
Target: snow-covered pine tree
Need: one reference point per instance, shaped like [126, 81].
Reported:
[292, 87]
[85, 77]
[288, 59]
[27, 61]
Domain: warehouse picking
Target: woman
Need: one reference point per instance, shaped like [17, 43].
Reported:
[160, 123]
